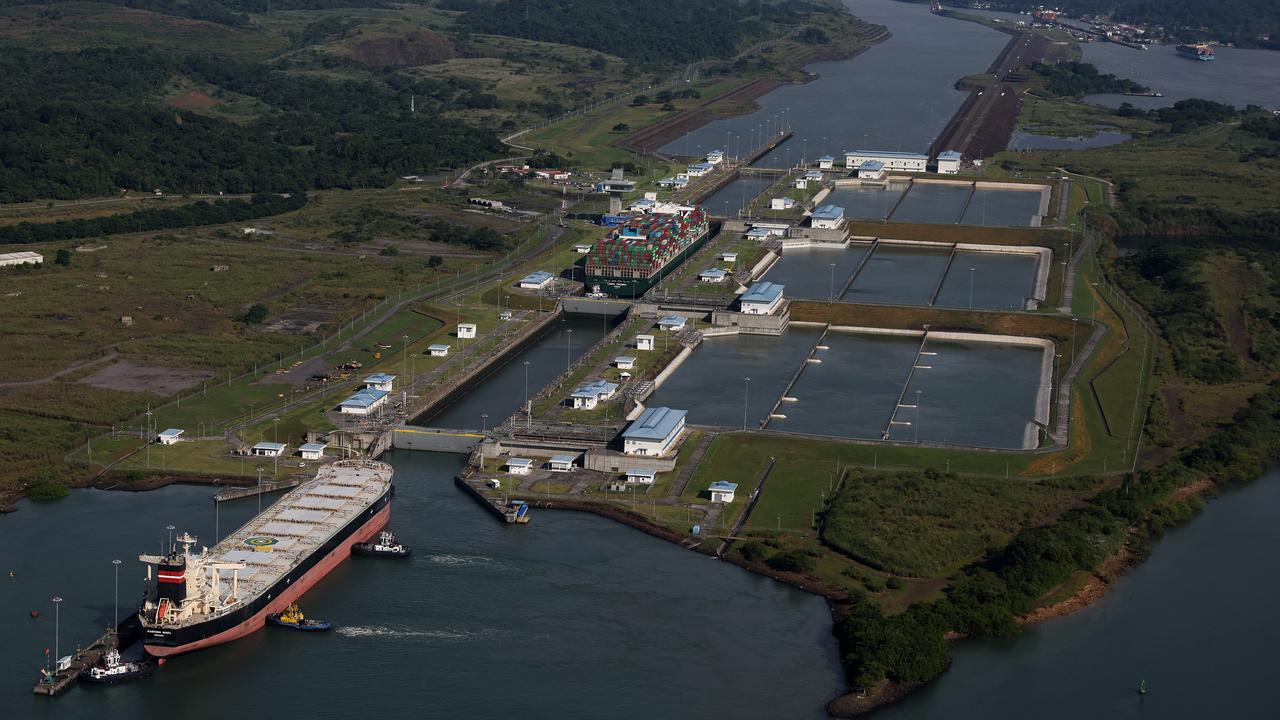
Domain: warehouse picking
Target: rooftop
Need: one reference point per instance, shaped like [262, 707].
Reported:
[171, 432]
[655, 423]
[595, 389]
[763, 292]
[949, 155]
[437, 347]
[871, 165]
[537, 276]
[887, 153]
[641, 472]
[519, 462]
[313, 447]
[723, 485]
[269, 446]
[828, 212]
[364, 399]
[379, 378]
[713, 272]
[563, 458]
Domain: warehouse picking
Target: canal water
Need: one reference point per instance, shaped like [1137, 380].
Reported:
[503, 392]
[898, 95]
[1196, 621]
[1237, 77]
[981, 394]
[939, 204]
[908, 275]
[571, 615]
[731, 198]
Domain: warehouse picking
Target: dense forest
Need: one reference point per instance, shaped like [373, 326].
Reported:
[1073, 79]
[1245, 22]
[226, 12]
[675, 31]
[91, 123]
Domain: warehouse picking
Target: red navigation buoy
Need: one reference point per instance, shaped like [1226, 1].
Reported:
[35, 614]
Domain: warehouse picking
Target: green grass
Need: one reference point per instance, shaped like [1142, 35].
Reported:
[930, 524]
[206, 457]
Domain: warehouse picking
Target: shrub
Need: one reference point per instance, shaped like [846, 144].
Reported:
[753, 551]
[793, 561]
[46, 489]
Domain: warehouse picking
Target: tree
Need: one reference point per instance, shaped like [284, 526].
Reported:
[435, 261]
[640, 100]
[255, 314]
[63, 257]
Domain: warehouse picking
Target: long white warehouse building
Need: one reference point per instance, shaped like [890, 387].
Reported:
[909, 162]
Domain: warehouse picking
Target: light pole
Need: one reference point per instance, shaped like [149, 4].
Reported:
[971, 287]
[831, 291]
[413, 367]
[916, 425]
[1093, 297]
[116, 623]
[1073, 339]
[484, 423]
[528, 407]
[57, 626]
[404, 356]
[746, 393]
[275, 429]
[259, 489]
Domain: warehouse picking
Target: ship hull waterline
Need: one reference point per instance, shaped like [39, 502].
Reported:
[286, 591]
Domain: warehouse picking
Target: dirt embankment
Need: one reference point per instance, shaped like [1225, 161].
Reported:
[652, 138]
[421, 47]
[985, 122]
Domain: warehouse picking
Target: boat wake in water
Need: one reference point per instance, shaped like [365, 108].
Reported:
[466, 561]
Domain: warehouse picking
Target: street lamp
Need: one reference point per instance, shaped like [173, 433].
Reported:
[404, 356]
[484, 423]
[528, 407]
[57, 626]
[746, 393]
[275, 429]
[116, 624]
[831, 291]
[971, 287]
[259, 489]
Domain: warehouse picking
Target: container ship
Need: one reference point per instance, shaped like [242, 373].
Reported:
[199, 599]
[1199, 51]
[644, 248]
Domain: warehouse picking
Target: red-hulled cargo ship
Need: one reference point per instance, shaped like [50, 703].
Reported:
[223, 593]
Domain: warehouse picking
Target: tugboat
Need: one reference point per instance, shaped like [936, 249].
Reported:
[385, 546]
[114, 670]
[293, 618]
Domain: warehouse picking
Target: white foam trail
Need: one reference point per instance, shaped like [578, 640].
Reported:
[393, 632]
[464, 560]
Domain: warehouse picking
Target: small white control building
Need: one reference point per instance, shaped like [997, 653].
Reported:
[826, 162]
[871, 170]
[466, 331]
[782, 203]
[519, 466]
[712, 275]
[949, 162]
[722, 491]
[537, 280]
[312, 451]
[827, 217]
[380, 381]
[170, 436]
[644, 342]
[672, 323]
[762, 298]
[588, 396]
[438, 350]
[654, 433]
[561, 463]
[364, 402]
[624, 362]
[640, 476]
[268, 449]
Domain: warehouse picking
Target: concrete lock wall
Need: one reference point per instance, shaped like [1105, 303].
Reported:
[592, 306]
[607, 462]
[434, 439]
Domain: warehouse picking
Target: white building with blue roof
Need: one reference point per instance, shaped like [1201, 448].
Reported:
[949, 162]
[654, 432]
[871, 170]
[712, 275]
[722, 491]
[827, 217]
[536, 280]
[699, 169]
[905, 161]
[826, 162]
[364, 402]
[588, 396]
[762, 298]
[380, 381]
[268, 449]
